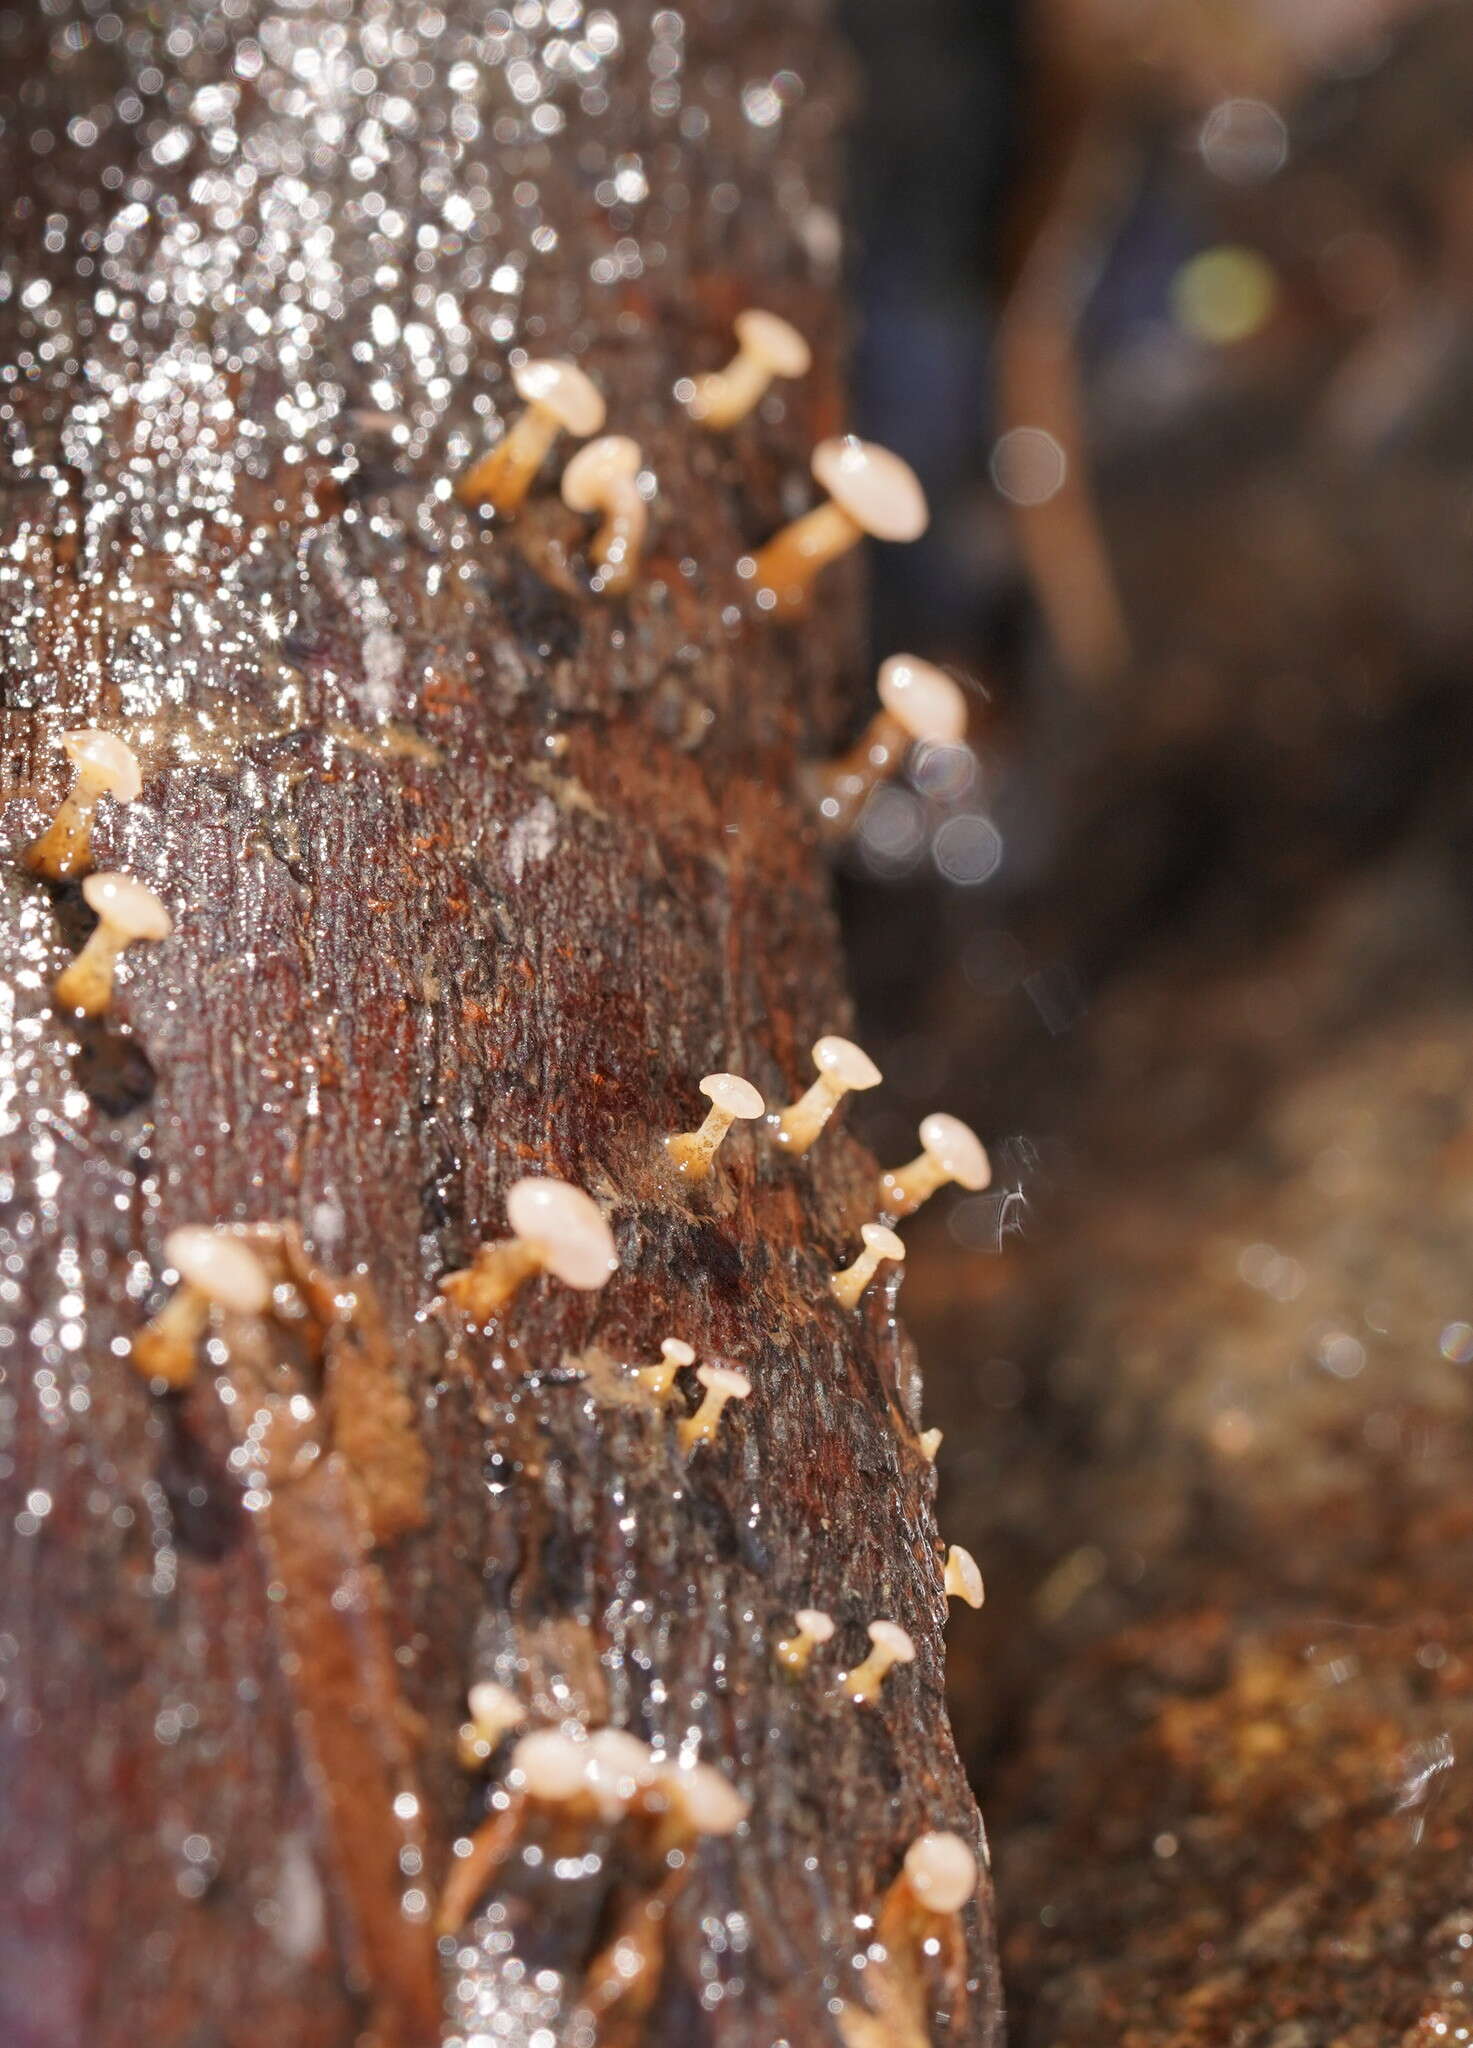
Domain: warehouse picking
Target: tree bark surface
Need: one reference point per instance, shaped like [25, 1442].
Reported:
[474, 873]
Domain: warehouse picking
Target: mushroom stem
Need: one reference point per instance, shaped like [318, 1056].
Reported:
[503, 477]
[879, 1244]
[726, 396]
[616, 547]
[487, 1284]
[87, 984]
[904, 1188]
[64, 849]
[876, 755]
[694, 1151]
[787, 565]
[165, 1350]
[800, 1123]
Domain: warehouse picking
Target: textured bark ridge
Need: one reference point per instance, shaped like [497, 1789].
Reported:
[473, 874]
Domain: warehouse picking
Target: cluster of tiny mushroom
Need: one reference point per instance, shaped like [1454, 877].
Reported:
[126, 909]
[555, 1228]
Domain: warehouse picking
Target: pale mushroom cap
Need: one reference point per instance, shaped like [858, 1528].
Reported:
[889, 1636]
[734, 1096]
[846, 1062]
[108, 762]
[492, 1706]
[956, 1147]
[562, 389]
[597, 468]
[724, 1379]
[879, 491]
[941, 1870]
[713, 1806]
[550, 1764]
[928, 702]
[220, 1267]
[677, 1352]
[776, 344]
[815, 1624]
[883, 1240]
[128, 906]
[566, 1226]
[964, 1573]
[618, 1764]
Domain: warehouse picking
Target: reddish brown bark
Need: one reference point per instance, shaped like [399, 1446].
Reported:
[473, 874]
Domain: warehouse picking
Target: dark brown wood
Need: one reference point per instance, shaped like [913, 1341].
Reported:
[473, 874]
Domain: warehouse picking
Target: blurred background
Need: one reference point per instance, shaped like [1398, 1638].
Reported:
[1169, 303]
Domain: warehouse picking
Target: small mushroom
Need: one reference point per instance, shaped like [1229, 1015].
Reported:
[658, 1380]
[494, 1712]
[767, 347]
[215, 1271]
[930, 1443]
[556, 1229]
[560, 399]
[963, 1580]
[870, 491]
[889, 1645]
[950, 1150]
[879, 1243]
[842, 1066]
[602, 478]
[722, 1384]
[105, 766]
[918, 702]
[814, 1627]
[730, 1098]
[940, 1872]
[126, 910]
[704, 1802]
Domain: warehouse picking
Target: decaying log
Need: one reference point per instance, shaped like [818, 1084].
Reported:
[473, 873]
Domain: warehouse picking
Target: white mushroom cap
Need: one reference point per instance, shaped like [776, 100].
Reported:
[562, 389]
[847, 1062]
[676, 1351]
[219, 1267]
[712, 1805]
[493, 1708]
[597, 468]
[732, 1095]
[129, 907]
[879, 491]
[890, 1637]
[775, 344]
[815, 1624]
[106, 761]
[618, 1764]
[964, 1576]
[566, 1226]
[927, 701]
[550, 1764]
[956, 1147]
[725, 1379]
[883, 1240]
[941, 1870]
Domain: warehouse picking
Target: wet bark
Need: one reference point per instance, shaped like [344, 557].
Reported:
[473, 874]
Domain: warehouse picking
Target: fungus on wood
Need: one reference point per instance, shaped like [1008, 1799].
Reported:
[482, 870]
